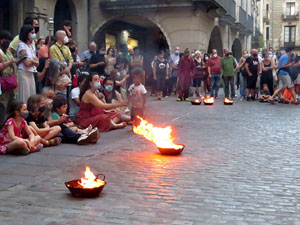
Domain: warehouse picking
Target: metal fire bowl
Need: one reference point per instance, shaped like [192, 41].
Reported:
[170, 151]
[208, 103]
[196, 103]
[228, 103]
[78, 191]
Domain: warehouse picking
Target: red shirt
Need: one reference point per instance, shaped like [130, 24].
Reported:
[186, 66]
[215, 65]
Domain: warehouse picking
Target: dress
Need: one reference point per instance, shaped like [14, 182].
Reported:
[4, 136]
[97, 117]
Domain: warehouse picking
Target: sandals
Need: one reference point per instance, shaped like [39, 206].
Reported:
[54, 141]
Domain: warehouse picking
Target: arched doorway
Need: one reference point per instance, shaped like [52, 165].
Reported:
[215, 41]
[237, 49]
[65, 10]
[128, 31]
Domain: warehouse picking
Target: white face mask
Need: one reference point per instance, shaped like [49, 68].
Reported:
[66, 39]
[206, 58]
[215, 55]
[193, 54]
[32, 37]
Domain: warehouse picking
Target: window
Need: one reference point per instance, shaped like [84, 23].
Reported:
[267, 8]
[289, 34]
[290, 8]
[267, 33]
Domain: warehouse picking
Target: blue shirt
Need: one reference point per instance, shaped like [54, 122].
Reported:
[86, 55]
[284, 60]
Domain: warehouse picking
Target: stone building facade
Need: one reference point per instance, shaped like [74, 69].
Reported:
[194, 24]
[280, 22]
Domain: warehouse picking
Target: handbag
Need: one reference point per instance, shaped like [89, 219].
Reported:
[8, 83]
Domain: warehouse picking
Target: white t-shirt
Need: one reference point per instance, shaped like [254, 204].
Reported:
[75, 92]
[30, 52]
[136, 94]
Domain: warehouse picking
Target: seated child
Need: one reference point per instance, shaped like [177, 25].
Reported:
[74, 101]
[264, 94]
[137, 96]
[70, 132]
[11, 139]
[287, 97]
[38, 123]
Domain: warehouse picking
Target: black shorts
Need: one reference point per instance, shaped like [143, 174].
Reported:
[197, 82]
[251, 82]
[160, 82]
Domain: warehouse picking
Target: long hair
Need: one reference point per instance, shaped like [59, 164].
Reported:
[14, 106]
[33, 103]
[86, 85]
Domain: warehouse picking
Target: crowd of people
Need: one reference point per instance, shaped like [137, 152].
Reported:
[49, 94]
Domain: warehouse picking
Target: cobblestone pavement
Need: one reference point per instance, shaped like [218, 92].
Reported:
[240, 166]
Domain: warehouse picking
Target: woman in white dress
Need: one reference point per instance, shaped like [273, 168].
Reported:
[26, 83]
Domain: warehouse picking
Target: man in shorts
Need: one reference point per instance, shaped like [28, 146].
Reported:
[283, 76]
[252, 67]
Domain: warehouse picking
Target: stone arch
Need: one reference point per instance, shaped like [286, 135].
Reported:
[65, 10]
[237, 48]
[101, 26]
[215, 41]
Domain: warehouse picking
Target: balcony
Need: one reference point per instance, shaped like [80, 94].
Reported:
[227, 6]
[293, 17]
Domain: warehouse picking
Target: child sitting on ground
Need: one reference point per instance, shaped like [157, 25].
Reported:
[69, 131]
[264, 94]
[11, 139]
[137, 96]
[38, 123]
[59, 111]
[287, 97]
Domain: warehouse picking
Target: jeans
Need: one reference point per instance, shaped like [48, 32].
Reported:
[229, 80]
[243, 84]
[214, 85]
[68, 136]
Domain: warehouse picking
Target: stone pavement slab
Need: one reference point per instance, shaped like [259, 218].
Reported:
[240, 166]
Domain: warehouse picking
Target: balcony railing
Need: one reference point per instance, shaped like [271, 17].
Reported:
[286, 17]
[229, 6]
[242, 17]
[250, 24]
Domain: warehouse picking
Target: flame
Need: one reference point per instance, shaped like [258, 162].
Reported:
[161, 136]
[197, 101]
[209, 100]
[90, 180]
[226, 100]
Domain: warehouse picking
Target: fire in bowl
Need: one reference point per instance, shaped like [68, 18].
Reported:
[228, 101]
[209, 101]
[171, 151]
[196, 102]
[89, 187]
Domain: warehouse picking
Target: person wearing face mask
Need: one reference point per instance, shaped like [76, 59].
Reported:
[61, 52]
[214, 73]
[12, 140]
[26, 82]
[93, 109]
[32, 21]
[243, 74]
[174, 61]
[97, 61]
[160, 74]
[44, 50]
[77, 62]
[252, 67]
[7, 68]
[109, 92]
[87, 54]
[186, 66]
[228, 66]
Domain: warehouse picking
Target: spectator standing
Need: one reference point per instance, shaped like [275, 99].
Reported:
[174, 62]
[186, 66]
[243, 75]
[7, 68]
[97, 62]
[199, 74]
[252, 66]
[44, 50]
[26, 84]
[160, 73]
[110, 61]
[137, 61]
[267, 72]
[87, 54]
[214, 71]
[228, 66]
[68, 29]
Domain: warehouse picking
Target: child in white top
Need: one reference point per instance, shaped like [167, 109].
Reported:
[137, 96]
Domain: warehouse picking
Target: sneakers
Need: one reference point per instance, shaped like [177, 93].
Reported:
[187, 99]
[178, 99]
[87, 138]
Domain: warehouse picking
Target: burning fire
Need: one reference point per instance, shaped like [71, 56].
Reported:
[161, 136]
[197, 101]
[226, 100]
[90, 180]
[209, 100]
